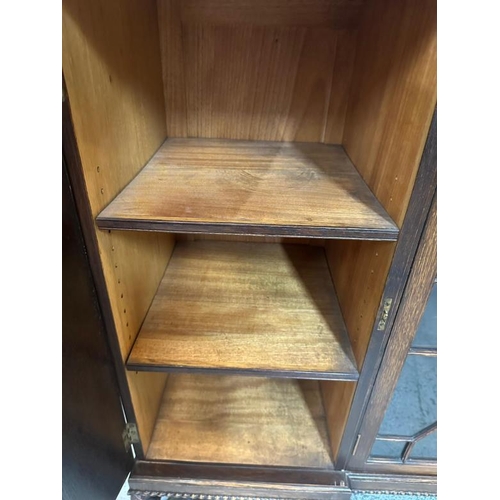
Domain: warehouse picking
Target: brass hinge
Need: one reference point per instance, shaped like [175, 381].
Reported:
[385, 314]
[130, 435]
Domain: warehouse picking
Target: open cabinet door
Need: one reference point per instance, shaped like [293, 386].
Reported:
[95, 461]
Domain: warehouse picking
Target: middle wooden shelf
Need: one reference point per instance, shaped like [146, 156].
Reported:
[257, 308]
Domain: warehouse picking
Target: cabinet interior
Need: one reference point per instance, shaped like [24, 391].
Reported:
[287, 136]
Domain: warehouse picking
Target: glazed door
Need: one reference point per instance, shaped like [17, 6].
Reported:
[398, 433]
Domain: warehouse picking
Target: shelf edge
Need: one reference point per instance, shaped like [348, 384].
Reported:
[256, 372]
[351, 233]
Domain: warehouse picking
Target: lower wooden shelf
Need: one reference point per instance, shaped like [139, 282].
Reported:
[241, 420]
[256, 308]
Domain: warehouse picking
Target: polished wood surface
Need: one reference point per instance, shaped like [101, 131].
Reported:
[112, 69]
[257, 70]
[203, 185]
[243, 420]
[254, 307]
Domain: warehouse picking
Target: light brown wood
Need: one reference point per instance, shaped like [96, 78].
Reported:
[240, 186]
[264, 78]
[341, 86]
[393, 97]
[390, 107]
[337, 400]
[360, 290]
[243, 420]
[112, 69]
[328, 13]
[246, 306]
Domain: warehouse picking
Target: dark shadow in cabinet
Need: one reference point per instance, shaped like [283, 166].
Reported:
[94, 461]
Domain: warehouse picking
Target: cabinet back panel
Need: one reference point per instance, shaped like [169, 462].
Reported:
[257, 70]
[390, 108]
[111, 64]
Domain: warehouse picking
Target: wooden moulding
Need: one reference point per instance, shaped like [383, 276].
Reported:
[249, 187]
[255, 308]
[238, 480]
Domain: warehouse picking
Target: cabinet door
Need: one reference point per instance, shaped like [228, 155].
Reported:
[399, 430]
[95, 462]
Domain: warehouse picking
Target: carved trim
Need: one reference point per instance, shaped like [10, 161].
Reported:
[163, 495]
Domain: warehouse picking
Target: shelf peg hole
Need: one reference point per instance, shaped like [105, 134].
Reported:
[98, 168]
[121, 296]
[102, 190]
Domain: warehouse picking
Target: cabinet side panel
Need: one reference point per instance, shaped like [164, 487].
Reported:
[391, 103]
[393, 97]
[112, 70]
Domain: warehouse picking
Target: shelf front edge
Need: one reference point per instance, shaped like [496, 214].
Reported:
[348, 233]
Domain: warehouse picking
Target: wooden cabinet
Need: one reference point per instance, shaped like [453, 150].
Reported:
[253, 179]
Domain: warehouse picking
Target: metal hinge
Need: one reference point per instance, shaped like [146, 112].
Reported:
[130, 435]
[385, 314]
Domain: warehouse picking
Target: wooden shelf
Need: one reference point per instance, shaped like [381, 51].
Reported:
[250, 187]
[243, 420]
[256, 308]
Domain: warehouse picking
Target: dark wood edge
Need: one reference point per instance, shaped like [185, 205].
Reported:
[410, 313]
[392, 483]
[246, 372]
[75, 170]
[382, 466]
[233, 479]
[352, 233]
[406, 248]
[237, 472]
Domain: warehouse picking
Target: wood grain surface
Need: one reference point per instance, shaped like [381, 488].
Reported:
[393, 97]
[328, 13]
[243, 420]
[257, 70]
[246, 306]
[209, 185]
[112, 68]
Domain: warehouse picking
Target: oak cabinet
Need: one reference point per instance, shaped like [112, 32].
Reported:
[253, 180]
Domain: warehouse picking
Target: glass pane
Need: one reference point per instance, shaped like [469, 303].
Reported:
[426, 447]
[391, 449]
[426, 335]
[413, 405]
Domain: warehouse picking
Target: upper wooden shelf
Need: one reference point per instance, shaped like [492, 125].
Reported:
[252, 308]
[249, 187]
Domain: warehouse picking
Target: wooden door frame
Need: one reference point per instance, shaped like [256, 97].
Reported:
[411, 310]
[399, 272]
